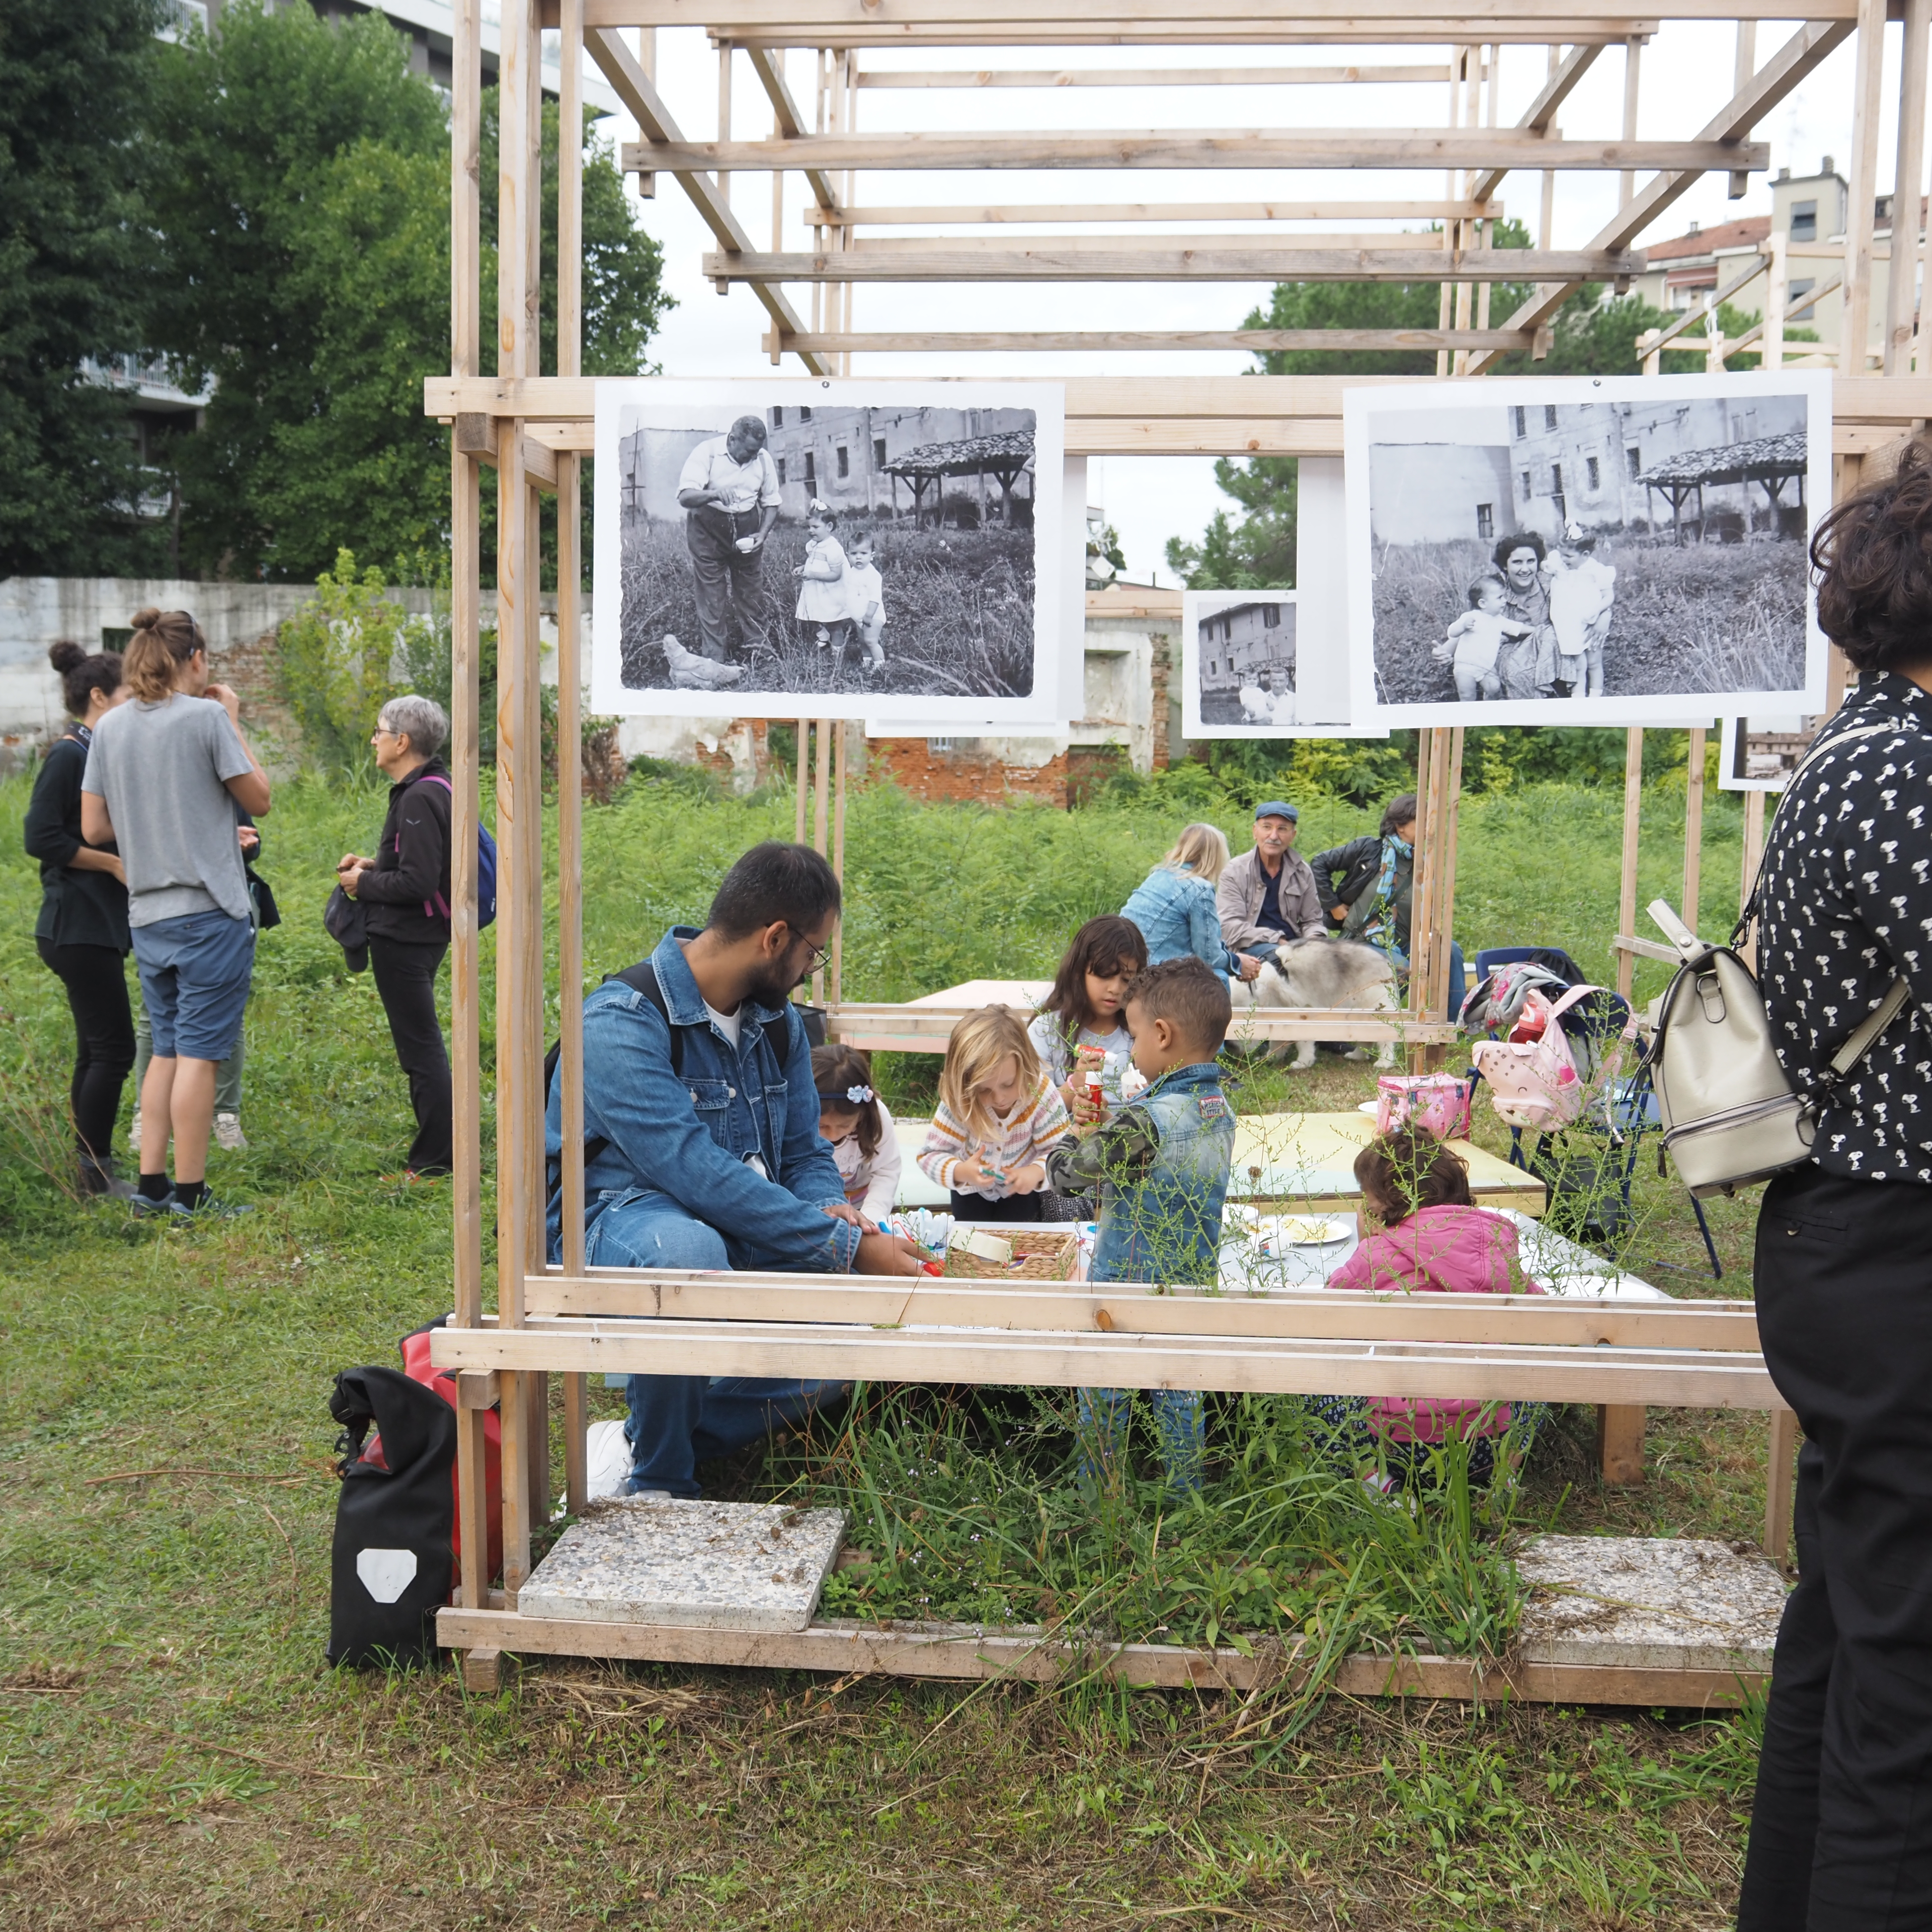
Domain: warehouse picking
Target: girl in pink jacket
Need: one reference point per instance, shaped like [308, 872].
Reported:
[1433, 1239]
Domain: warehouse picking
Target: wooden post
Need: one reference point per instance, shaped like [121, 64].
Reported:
[1777, 293]
[1633, 827]
[802, 768]
[1780, 1483]
[1444, 897]
[723, 177]
[569, 721]
[1420, 940]
[841, 750]
[1753, 856]
[465, 745]
[822, 788]
[1855, 310]
[1902, 296]
[1694, 828]
[1620, 1443]
[1632, 63]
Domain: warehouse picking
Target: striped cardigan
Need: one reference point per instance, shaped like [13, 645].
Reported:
[1021, 1139]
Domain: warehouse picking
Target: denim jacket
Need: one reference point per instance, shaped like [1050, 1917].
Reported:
[1175, 913]
[1160, 1165]
[694, 1135]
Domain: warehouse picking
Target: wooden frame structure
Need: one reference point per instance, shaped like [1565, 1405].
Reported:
[533, 430]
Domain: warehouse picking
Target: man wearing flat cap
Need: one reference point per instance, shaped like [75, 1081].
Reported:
[729, 490]
[1267, 894]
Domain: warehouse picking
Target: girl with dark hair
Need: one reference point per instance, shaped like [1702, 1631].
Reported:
[1081, 1025]
[82, 933]
[1843, 1274]
[859, 1127]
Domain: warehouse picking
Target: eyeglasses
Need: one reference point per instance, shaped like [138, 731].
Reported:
[821, 956]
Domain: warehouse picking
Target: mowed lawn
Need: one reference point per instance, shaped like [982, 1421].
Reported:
[176, 1754]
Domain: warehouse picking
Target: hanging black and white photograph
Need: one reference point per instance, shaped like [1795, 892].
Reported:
[1585, 550]
[1759, 754]
[1238, 653]
[834, 548]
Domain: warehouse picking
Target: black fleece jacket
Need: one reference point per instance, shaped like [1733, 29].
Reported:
[407, 896]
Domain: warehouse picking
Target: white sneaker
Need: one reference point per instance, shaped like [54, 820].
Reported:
[228, 1133]
[134, 1131]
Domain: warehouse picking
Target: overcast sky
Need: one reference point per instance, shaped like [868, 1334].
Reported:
[1687, 70]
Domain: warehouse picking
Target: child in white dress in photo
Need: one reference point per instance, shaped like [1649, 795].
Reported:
[851, 1116]
[866, 601]
[1475, 640]
[823, 590]
[1582, 593]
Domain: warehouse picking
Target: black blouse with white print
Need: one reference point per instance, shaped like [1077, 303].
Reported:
[1846, 905]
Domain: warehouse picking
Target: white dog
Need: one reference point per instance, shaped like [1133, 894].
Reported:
[690, 672]
[1341, 973]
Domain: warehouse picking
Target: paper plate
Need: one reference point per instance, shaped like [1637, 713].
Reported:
[1309, 1230]
[1371, 1108]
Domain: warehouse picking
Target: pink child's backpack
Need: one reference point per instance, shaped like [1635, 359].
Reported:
[1535, 1084]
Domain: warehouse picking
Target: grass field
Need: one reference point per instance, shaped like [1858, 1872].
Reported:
[176, 1756]
[959, 613]
[1707, 618]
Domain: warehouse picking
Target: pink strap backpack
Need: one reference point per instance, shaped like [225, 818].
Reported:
[1536, 1083]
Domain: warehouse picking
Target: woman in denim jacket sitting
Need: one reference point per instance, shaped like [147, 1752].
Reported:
[1174, 905]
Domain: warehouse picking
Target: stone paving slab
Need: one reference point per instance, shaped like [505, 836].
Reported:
[711, 1565]
[1648, 1603]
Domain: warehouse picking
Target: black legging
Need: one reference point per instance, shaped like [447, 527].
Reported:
[406, 982]
[104, 1025]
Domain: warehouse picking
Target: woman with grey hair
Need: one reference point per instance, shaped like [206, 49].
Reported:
[405, 891]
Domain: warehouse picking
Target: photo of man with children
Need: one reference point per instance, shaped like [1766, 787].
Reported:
[799, 548]
[1581, 553]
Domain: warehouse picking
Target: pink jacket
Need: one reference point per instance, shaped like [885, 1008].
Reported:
[1438, 1251]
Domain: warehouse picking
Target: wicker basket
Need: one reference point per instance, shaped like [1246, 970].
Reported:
[1039, 1254]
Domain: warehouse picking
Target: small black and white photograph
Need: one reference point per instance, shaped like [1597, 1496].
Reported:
[1760, 754]
[1585, 550]
[833, 548]
[1238, 658]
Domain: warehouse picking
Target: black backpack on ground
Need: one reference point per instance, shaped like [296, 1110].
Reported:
[643, 978]
[390, 1566]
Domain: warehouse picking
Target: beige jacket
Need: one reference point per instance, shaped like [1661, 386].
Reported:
[1238, 900]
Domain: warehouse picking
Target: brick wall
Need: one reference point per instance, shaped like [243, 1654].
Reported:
[967, 776]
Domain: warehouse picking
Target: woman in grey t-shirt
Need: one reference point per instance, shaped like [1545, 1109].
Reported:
[164, 774]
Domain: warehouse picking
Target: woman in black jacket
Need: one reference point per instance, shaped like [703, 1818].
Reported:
[404, 891]
[82, 933]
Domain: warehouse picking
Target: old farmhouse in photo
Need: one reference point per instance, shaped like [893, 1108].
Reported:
[1240, 641]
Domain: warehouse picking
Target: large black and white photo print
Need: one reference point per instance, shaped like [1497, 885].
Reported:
[1584, 549]
[830, 549]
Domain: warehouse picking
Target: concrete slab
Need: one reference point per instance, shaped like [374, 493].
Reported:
[1648, 1603]
[707, 1565]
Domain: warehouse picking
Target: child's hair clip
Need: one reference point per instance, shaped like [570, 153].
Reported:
[858, 1096]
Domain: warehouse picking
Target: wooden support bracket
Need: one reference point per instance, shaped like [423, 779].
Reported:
[483, 1669]
[1620, 1443]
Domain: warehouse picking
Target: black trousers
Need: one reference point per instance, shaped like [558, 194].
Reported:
[405, 982]
[1841, 1828]
[1008, 1207]
[96, 979]
[729, 583]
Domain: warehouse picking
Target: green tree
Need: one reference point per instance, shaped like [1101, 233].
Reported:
[76, 81]
[1257, 553]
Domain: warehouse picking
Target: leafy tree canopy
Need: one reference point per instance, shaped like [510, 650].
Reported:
[76, 78]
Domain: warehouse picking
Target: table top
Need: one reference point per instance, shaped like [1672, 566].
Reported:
[1024, 994]
[1296, 1160]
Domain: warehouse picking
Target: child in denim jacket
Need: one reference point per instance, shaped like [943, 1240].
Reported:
[1160, 1164]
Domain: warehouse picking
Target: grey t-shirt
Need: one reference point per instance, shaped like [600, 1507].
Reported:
[163, 769]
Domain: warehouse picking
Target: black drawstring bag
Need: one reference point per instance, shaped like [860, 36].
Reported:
[390, 1569]
[347, 925]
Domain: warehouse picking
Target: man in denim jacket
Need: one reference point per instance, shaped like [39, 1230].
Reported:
[704, 1151]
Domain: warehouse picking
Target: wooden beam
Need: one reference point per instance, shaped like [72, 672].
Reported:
[858, 1024]
[768, 67]
[1902, 294]
[1183, 148]
[1201, 264]
[633, 87]
[966, 1653]
[1564, 29]
[1633, 826]
[1862, 194]
[906, 77]
[1361, 19]
[1286, 241]
[1538, 117]
[970, 215]
[1257, 341]
[1810, 46]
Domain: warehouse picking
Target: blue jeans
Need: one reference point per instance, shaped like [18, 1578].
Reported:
[1458, 982]
[195, 972]
[1178, 1429]
[678, 1421]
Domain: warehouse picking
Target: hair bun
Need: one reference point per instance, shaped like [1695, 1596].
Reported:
[66, 656]
[146, 618]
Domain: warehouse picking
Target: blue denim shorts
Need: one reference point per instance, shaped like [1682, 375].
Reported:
[195, 971]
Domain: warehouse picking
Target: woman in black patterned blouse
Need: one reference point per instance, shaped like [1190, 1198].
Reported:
[1841, 1827]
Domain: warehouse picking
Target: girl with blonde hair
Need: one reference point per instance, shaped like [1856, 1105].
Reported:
[1174, 905]
[998, 1113]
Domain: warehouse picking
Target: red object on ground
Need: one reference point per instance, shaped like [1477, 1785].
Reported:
[416, 1367]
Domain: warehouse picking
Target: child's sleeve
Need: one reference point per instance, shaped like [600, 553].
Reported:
[1051, 1119]
[882, 1187]
[947, 1144]
[1118, 1153]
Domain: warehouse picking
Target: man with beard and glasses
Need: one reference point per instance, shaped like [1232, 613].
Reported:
[701, 1143]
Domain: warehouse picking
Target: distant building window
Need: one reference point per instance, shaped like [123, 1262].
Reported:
[1213, 667]
[1527, 492]
[878, 452]
[1799, 290]
[1520, 428]
[1804, 221]
[845, 460]
[1486, 520]
[1550, 415]
[1595, 474]
[804, 415]
[940, 744]
[811, 470]
[1270, 616]
[782, 470]
[778, 418]
[1556, 479]
[1562, 508]
[1635, 460]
